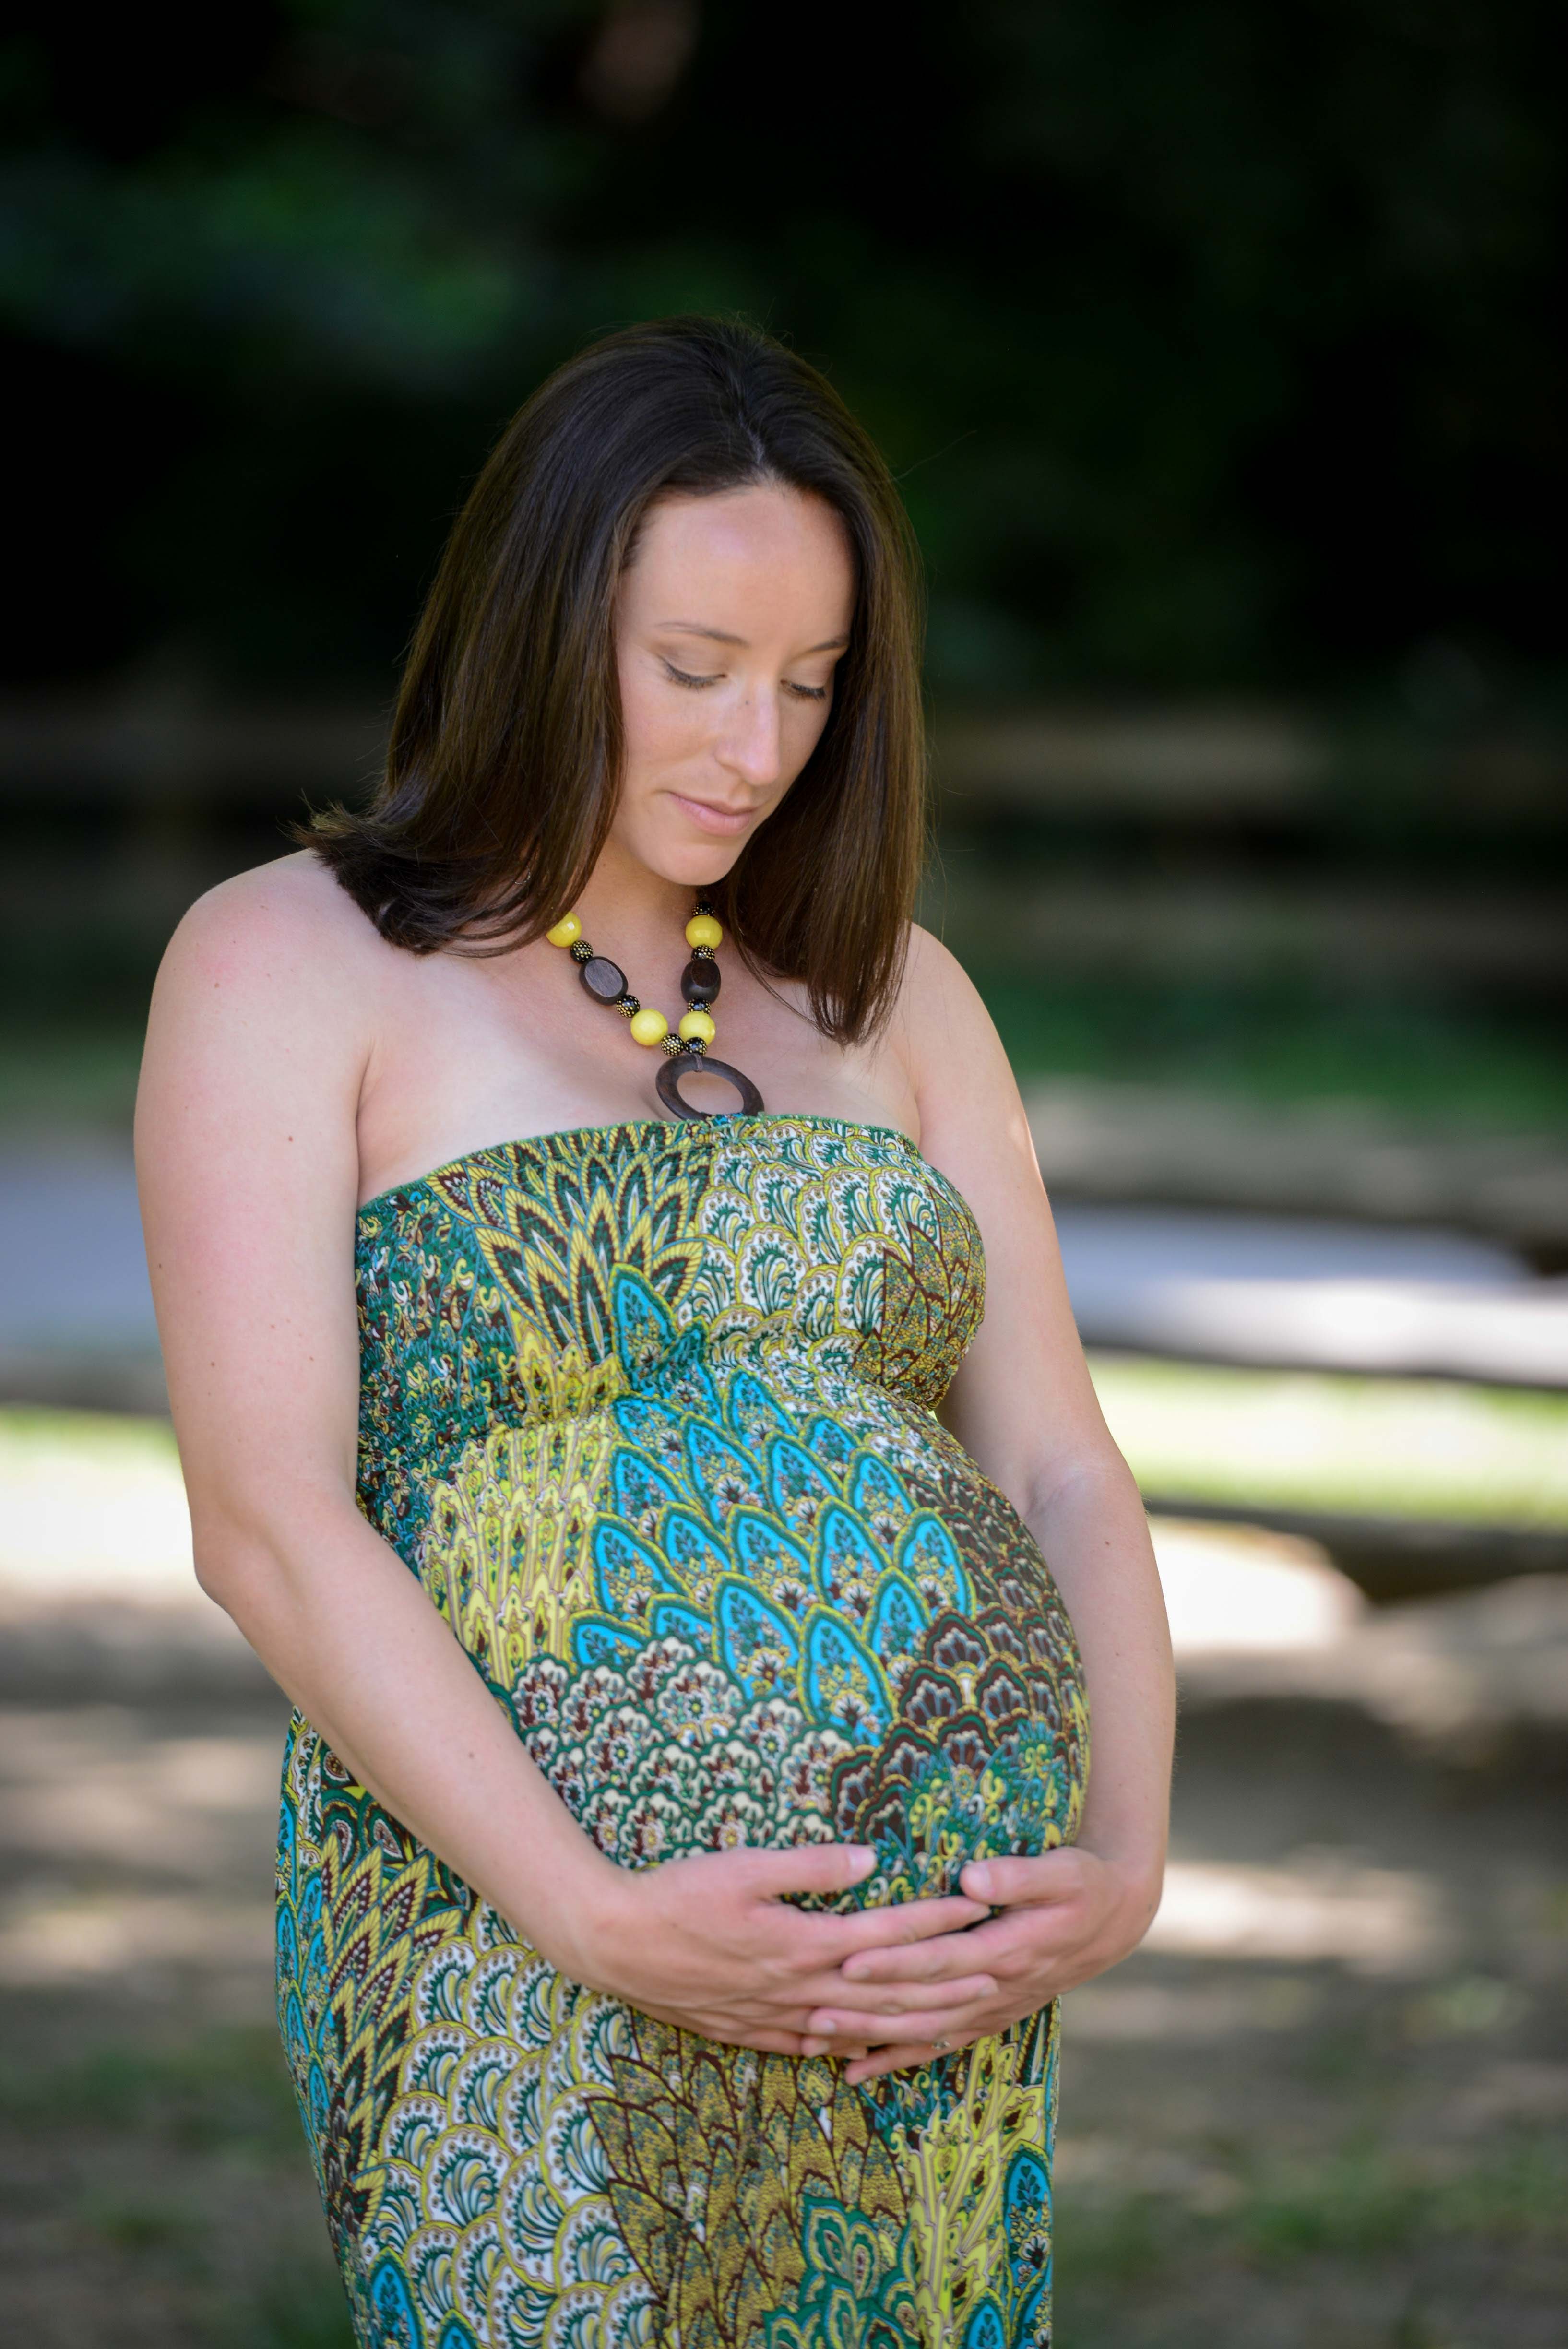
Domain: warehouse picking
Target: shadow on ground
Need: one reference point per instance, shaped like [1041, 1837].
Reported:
[1329, 2102]
[1354, 2125]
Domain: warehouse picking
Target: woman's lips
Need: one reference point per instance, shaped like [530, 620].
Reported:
[708, 817]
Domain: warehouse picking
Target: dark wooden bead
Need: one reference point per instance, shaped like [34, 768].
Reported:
[604, 982]
[700, 982]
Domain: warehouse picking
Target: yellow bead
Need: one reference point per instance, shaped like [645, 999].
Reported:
[696, 1023]
[649, 1027]
[566, 932]
[702, 930]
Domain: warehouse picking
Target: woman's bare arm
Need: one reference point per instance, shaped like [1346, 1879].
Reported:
[1024, 1407]
[259, 1035]
[262, 1027]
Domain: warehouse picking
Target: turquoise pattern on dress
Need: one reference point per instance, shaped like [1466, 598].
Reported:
[649, 1411]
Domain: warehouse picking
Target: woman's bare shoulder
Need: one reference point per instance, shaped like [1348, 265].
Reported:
[963, 1083]
[283, 930]
[274, 980]
[293, 903]
[938, 1003]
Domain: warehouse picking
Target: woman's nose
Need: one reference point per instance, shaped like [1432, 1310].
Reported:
[751, 742]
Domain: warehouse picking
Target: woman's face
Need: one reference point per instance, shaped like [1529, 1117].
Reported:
[731, 619]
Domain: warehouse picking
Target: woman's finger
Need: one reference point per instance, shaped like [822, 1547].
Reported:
[903, 1923]
[946, 1959]
[903, 1999]
[1014, 1941]
[959, 2017]
[800, 1868]
[1054, 1874]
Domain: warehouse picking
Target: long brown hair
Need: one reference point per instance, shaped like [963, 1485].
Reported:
[505, 753]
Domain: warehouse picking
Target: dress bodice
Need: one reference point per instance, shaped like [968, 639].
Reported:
[542, 1278]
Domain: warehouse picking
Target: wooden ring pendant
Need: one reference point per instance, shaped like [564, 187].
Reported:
[679, 1064]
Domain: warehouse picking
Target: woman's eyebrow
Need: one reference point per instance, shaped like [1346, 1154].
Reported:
[722, 636]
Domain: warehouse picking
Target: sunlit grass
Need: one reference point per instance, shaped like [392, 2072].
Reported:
[1313, 1441]
[39, 1437]
[91, 1500]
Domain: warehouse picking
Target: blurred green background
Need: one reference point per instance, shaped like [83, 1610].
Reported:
[1220, 353]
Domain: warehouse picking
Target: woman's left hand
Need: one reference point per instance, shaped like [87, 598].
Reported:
[1061, 1919]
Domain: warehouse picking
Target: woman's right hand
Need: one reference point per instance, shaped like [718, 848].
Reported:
[711, 1943]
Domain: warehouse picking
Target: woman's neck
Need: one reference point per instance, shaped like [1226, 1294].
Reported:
[623, 904]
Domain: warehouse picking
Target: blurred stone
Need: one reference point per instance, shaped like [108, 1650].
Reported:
[1311, 1292]
[1239, 1590]
[1392, 1560]
[1169, 1146]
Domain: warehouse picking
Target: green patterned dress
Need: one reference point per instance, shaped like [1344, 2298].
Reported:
[649, 1411]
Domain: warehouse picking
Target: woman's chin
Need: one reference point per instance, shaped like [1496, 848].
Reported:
[689, 864]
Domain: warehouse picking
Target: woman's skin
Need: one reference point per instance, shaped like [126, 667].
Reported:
[297, 1066]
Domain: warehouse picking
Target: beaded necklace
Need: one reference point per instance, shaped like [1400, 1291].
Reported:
[605, 982]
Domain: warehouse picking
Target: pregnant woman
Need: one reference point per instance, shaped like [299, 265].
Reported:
[628, 1400]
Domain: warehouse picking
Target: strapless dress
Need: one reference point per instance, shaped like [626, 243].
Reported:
[649, 1410]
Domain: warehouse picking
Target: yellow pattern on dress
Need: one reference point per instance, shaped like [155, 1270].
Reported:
[504, 1557]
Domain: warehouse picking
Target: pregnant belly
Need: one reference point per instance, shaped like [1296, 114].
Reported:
[707, 1642]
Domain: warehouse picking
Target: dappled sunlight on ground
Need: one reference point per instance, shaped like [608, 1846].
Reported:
[1375, 1920]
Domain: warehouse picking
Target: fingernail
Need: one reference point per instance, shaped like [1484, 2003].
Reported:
[976, 1880]
[860, 1859]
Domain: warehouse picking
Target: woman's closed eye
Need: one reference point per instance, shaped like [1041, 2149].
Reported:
[697, 683]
